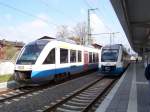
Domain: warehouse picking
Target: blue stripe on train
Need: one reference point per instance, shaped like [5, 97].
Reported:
[49, 74]
[116, 71]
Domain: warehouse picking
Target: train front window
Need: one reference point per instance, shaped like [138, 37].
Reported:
[31, 52]
[109, 55]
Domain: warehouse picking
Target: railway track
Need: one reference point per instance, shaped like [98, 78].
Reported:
[17, 93]
[83, 99]
[22, 91]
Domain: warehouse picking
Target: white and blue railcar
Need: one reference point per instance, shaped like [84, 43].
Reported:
[114, 59]
[48, 59]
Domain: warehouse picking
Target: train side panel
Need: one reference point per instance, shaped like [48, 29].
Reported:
[55, 59]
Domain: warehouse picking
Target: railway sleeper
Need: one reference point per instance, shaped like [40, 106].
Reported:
[84, 97]
[76, 103]
[90, 92]
[74, 107]
[65, 110]
[88, 95]
[80, 100]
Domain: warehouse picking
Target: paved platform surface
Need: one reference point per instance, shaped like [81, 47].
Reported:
[130, 94]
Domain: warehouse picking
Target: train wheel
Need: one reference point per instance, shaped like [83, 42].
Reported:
[56, 79]
[68, 75]
[60, 77]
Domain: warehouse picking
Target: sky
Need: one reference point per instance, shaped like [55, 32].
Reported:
[27, 20]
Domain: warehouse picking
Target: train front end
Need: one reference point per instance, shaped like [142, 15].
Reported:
[26, 61]
[109, 62]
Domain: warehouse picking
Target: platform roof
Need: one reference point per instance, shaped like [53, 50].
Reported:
[134, 16]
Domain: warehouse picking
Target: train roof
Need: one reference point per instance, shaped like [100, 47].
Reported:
[64, 40]
[114, 46]
[58, 39]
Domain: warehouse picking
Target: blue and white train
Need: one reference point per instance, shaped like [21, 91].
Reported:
[113, 59]
[48, 59]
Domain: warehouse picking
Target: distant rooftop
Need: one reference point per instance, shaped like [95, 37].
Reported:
[13, 43]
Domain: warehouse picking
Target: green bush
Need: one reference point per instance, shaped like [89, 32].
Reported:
[6, 77]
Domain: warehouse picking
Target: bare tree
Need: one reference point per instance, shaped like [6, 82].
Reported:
[80, 32]
[62, 32]
[76, 39]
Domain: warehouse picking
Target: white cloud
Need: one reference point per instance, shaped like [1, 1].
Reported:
[97, 27]
[27, 31]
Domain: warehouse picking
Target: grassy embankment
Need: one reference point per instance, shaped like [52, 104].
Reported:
[10, 54]
[5, 78]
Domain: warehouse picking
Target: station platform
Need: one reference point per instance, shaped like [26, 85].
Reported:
[130, 94]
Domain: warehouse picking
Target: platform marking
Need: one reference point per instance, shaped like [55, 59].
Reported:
[142, 83]
[132, 104]
[106, 102]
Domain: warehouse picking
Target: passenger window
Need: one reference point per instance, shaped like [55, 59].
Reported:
[94, 58]
[97, 57]
[90, 57]
[79, 56]
[63, 55]
[50, 59]
[72, 56]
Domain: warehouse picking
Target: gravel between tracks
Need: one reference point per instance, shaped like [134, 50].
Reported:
[37, 100]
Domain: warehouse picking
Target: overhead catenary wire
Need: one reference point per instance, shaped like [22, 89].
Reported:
[99, 13]
[28, 14]
[58, 11]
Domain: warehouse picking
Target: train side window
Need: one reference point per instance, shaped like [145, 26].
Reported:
[90, 57]
[50, 59]
[94, 58]
[79, 56]
[72, 56]
[63, 55]
[123, 57]
[97, 57]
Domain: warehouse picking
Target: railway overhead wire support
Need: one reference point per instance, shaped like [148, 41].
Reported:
[112, 35]
[89, 26]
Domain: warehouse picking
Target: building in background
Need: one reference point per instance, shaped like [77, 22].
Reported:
[6, 46]
[2, 51]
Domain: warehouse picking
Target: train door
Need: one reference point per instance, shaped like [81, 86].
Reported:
[86, 60]
[49, 65]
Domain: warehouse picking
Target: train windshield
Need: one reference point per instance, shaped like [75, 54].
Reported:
[31, 52]
[109, 55]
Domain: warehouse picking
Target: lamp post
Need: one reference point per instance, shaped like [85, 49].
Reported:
[89, 26]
